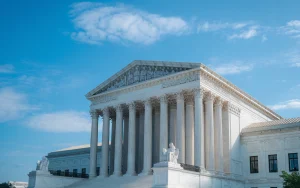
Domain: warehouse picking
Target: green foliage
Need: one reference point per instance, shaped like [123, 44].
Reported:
[4, 185]
[291, 180]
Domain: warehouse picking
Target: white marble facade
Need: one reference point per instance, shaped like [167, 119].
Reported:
[216, 127]
[149, 104]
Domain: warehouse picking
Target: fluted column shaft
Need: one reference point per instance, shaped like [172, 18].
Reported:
[189, 137]
[180, 129]
[105, 143]
[199, 129]
[125, 144]
[94, 144]
[209, 141]
[141, 140]
[112, 145]
[218, 136]
[131, 140]
[156, 141]
[118, 142]
[147, 139]
[173, 121]
[163, 126]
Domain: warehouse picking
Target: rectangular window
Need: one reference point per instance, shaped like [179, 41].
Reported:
[293, 162]
[74, 172]
[67, 173]
[254, 164]
[273, 163]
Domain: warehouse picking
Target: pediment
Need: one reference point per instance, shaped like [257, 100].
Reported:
[141, 71]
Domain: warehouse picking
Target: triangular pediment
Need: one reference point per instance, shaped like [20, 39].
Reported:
[140, 71]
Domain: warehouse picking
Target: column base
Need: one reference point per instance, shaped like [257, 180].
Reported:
[130, 174]
[117, 174]
[146, 173]
[91, 176]
[103, 176]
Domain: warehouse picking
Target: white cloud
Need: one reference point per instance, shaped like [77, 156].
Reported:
[235, 30]
[96, 22]
[215, 26]
[293, 58]
[63, 121]
[290, 104]
[7, 68]
[251, 32]
[232, 68]
[264, 38]
[13, 104]
[292, 28]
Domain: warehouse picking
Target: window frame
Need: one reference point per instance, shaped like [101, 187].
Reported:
[294, 159]
[254, 161]
[273, 160]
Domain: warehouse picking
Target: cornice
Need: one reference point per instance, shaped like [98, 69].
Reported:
[208, 75]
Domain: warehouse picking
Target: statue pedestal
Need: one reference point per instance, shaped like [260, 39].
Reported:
[167, 174]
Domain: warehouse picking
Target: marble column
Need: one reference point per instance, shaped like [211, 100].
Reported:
[156, 140]
[180, 128]
[131, 140]
[125, 144]
[189, 136]
[199, 129]
[218, 136]
[209, 132]
[163, 133]
[141, 140]
[148, 139]
[226, 137]
[94, 144]
[173, 119]
[118, 141]
[112, 145]
[105, 143]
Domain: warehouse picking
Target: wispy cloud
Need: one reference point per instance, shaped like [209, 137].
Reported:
[231, 67]
[245, 34]
[264, 38]
[290, 104]
[96, 23]
[293, 58]
[7, 68]
[236, 30]
[13, 104]
[63, 121]
[292, 28]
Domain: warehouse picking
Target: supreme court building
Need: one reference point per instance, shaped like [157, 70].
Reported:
[225, 137]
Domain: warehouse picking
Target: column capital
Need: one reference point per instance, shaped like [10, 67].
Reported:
[198, 92]
[105, 111]
[219, 102]
[163, 99]
[148, 102]
[94, 113]
[179, 96]
[119, 108]
[209, 96]
[132, 106]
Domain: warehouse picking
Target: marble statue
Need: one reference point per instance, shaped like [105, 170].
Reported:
[171, 153]
[43, 164]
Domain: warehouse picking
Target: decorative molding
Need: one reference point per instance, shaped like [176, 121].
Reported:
[103, 99]
[211, 78]
[182, 80]
[119, 108]
[233, 109]
[132, 107]
[164, 99]
[209, 96]
[219, 102]
[179, 96]
[106, 112]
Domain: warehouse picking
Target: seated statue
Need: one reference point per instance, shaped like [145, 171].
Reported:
[171, 153]
[43, 164]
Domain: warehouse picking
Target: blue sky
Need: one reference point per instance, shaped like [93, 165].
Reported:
[53, 52]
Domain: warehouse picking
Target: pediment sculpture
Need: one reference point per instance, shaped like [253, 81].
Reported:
[43, 164]
[171, 153]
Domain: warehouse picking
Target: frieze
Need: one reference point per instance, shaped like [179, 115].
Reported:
[103, 99]
[182, 80]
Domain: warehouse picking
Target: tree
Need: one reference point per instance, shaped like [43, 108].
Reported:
[4, 185]
[291, 180]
